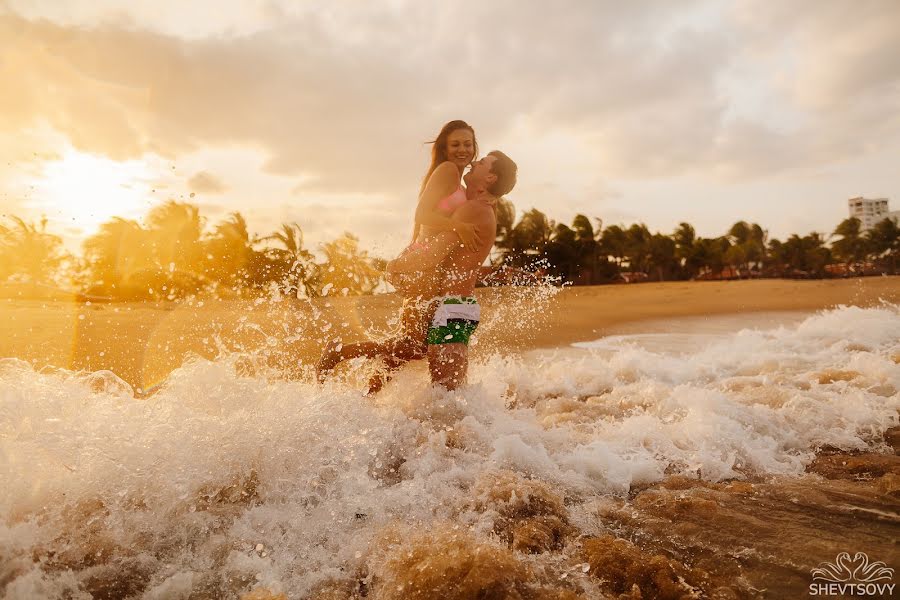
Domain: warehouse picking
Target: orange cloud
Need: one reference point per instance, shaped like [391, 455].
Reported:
[206, 183]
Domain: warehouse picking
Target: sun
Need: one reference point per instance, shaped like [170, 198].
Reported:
[82, 190]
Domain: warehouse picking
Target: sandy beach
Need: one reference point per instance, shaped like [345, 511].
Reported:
[142, 343]
[726, 474]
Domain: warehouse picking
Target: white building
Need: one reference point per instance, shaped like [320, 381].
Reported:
[868, 211]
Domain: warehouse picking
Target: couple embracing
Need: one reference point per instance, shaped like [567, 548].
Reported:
[455, 229]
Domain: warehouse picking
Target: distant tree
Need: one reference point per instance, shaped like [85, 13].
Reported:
[747, 246]
[561, 253]
[757, 245]
[590, 265]
[347, 270]
[637, 247]
[614, 243]
[806, 256]
[175, 229]
[662, 259]
[736, 256]
[506, 216]
[739, 233]
[776, 259]
[228, 252]
[28, 251]
[528, 239]
[710, 252]
[883, 239]
[120, 249]
[685, 238]
[852, 246]
[583, 228]
[300, 266]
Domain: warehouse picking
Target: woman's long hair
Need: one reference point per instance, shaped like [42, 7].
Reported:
[439, 147]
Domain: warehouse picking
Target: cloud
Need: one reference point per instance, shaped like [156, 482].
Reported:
[206, 183]
[331, 99]
[341, 97]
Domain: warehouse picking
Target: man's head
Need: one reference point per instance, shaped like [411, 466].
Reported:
[495, 173]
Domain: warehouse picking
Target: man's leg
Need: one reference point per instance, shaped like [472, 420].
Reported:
[454, 322]
[448, 364]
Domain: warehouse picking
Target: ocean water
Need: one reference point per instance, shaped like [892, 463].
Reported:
[228, 482]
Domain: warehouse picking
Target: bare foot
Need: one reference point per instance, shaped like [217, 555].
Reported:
[330, 358]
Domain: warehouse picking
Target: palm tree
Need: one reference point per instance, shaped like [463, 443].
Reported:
[614, 242]
[583, 228]
[301, 270]
[710, 252]
[662, 256]
[347, 270]
[229, 250]
[528, 238]
[884, 240]
[852, 247]
[28, 250]
[807, 255]
[637, 247]
[175, 230]
[748, 246]
[562, 253]
[506, 216]
[586, 250]
[776, 258]
[685, 238]
[119, 249]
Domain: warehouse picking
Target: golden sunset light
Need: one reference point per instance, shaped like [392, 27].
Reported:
[84, 190]
[419, 300]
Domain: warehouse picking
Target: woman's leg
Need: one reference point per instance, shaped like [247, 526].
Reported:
[415, 317]
[336, 353]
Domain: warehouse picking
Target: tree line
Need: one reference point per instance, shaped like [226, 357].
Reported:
[174, 254]
[588, 253]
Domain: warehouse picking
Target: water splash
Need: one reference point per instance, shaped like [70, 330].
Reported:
[232, 478]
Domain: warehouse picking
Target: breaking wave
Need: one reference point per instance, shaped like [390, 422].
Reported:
[230, 483]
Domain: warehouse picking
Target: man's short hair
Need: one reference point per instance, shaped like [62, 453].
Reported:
[505, 170]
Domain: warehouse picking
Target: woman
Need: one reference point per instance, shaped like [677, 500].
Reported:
[453, 150]
[440, 194]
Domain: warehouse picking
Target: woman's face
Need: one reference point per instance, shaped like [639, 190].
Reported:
[461, 148]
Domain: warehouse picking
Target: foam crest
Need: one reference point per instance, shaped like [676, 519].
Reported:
[231, 478]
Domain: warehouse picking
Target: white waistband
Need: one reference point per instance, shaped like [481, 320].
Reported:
[469, 312]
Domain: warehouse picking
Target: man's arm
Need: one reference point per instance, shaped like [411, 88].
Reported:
[461, 266]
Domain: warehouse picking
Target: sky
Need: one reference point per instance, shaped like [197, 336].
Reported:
[319, 112]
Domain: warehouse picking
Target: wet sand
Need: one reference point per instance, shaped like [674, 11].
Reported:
[143, 342]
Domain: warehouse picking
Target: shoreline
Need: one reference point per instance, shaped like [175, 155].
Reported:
[757, 534]
[142, 344]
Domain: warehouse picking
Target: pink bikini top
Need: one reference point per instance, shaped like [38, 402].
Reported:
[449, 204]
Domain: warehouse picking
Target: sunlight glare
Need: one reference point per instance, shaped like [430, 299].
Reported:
[84, 190]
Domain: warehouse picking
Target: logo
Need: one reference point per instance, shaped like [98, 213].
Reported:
[855, 576]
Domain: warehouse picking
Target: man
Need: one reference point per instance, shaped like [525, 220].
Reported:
[458, 313]
[455, 277]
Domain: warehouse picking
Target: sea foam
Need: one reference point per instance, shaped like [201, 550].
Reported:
[221, 482]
